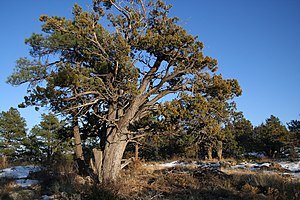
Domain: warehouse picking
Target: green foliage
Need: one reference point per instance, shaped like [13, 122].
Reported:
[294, 128]
[231, 147]
[197, 116]
[12, 133]
[239, 136]
[272, 136]
[94, 65]
[46, 140]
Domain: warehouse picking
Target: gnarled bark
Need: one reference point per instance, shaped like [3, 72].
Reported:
[112, 158]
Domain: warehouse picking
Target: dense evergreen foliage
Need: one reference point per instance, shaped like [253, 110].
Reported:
[294, 128]
[47, 141]
[12, 135]
[239, 137]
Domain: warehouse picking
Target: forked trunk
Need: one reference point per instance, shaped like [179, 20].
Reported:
[116, 140]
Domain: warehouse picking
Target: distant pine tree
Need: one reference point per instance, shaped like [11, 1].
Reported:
[272, 136]
[46, 141]
[294, 128]
[12, 134]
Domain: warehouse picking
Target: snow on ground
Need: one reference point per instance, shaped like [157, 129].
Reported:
[181, 163]
[176, 163]
[170, 164]
[211, 165]
[26, 182]
[245, 165]
[255, 154]
[46, 197]
[293, 168]
[20, 173]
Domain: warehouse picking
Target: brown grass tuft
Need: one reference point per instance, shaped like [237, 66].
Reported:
[7, 185]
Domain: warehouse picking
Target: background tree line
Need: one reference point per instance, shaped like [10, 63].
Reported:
[238, 138]
[51, 141]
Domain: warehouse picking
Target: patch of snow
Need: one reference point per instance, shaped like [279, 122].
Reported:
[262, 165]
[244, 165]
[296, 175]
[171, 164]
[19, 171]
[186, 164]
[26, 182]
[255, 154]
[251, 166]
[291, 166]
[211, 165]
[45, 197]
[241, 166]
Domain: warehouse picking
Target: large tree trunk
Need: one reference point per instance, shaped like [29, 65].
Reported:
[116, 139]
[111, 165]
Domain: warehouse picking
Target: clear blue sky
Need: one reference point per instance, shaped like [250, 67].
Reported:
[255, 41]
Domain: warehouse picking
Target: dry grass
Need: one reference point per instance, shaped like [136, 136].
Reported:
[62, 182]
[140, 181]
[144, 182]
[10, 190]
[6, 186]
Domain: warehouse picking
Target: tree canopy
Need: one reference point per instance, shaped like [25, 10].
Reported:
[120, 74]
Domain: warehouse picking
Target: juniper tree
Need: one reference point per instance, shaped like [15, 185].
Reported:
[118, 74]
[201, 110]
